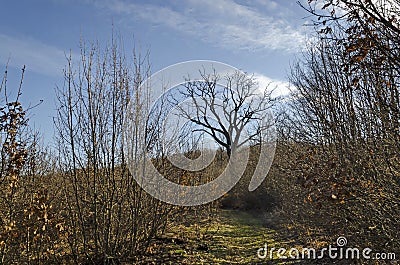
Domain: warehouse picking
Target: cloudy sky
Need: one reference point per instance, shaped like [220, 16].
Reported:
[257, 36]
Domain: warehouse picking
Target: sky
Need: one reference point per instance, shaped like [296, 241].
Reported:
[261, 37]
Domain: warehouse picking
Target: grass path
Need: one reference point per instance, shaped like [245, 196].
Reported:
[233, 237]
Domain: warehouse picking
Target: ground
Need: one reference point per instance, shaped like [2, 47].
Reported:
[230, 237]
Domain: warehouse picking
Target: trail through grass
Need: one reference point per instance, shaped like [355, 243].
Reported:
[232, 237]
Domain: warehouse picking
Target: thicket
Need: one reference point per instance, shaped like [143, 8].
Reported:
[79, 203]
[336, 170]
[338, 165]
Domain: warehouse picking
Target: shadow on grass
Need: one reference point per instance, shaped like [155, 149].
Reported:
[232, 237]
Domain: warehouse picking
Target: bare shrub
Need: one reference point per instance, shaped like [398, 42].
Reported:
[349, 166]
[110, 218]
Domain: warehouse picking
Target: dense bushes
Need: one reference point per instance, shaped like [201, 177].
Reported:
[336, 169]
[344, 125]
[31, 231]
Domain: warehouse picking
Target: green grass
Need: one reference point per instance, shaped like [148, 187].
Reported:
[232, 237]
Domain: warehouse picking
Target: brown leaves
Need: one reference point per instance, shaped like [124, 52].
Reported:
[355, 82]
[12, 122]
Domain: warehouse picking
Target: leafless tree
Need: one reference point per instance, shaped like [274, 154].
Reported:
[231, 109]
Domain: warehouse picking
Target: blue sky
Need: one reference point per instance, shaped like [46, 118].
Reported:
[259, 36]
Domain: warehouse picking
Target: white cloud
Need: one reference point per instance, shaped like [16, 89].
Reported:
[224, 23]
[38, 57]
[279, 87]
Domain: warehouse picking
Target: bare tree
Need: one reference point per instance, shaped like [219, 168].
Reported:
[230, 109]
